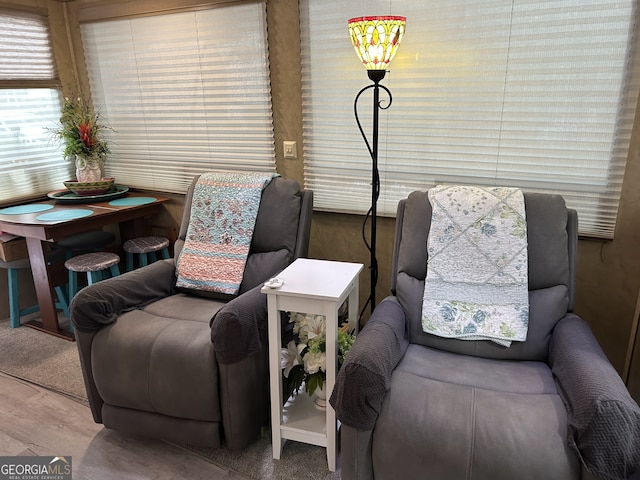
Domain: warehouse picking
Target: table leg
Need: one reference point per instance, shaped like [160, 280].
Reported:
[131, 229]
[44, 292]
[354, 321]
[331, 369]
[275, 343]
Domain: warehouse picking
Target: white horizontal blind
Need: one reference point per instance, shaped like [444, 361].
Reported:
[185, 93]
[25, 47]
[535, 94]
[30, 161]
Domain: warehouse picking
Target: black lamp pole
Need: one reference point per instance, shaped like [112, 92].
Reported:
[375, 76]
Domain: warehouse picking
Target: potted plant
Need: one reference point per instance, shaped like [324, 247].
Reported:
[304, 359]
[80, 130]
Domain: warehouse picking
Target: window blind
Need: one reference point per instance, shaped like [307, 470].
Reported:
[30, 162]
[533, 94]
[25, 47]
[184, 93]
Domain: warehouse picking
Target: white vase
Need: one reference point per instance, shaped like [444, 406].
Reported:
[321, 397]
[88, 170]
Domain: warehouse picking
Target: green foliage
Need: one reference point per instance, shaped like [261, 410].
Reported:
[80, 130]
[345, 341]
[314, 381]
[292, 384]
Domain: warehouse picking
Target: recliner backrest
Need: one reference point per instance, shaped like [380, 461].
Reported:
[281, 233]
[552, 240]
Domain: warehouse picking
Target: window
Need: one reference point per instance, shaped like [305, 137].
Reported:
[30, 162]
[534, 94]
[184, 92]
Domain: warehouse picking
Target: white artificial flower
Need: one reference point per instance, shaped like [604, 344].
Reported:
[290, 357]
[311, 326]
[316, 326]
[300, 320]
[298, 317]
[313, 362]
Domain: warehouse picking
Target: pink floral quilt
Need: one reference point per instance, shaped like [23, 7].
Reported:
[223, 215]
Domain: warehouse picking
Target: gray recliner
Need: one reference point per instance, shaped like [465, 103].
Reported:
[418, 406]
[186, 366]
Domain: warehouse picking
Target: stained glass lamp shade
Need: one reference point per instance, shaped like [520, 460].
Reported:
[376, 39]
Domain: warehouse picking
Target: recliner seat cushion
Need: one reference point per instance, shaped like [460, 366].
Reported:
[150, 363]
[438, 399]
[185, 307]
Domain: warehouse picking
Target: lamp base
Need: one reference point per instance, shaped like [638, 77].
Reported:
[376, 75]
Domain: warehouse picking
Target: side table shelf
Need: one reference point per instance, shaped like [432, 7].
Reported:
[315, 287]
[303, 421]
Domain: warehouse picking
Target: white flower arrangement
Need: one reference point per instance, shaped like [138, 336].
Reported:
[305, 359]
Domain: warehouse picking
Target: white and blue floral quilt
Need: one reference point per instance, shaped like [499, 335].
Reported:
[477, 276]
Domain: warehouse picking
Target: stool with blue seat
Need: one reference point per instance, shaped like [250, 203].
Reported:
[85, 242]
[145, 248]
[95, 265]
[15, 313]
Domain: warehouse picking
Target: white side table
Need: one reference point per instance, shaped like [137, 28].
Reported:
[317, 287]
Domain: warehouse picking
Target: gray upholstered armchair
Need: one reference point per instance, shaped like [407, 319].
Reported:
[183, 366]
[415, 405]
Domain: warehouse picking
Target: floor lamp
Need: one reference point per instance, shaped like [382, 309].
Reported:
[376, 41]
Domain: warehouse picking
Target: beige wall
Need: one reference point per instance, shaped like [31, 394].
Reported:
[608, 281]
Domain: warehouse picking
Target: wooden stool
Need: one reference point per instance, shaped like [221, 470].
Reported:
[146, 248]
[15, 313]
[94, 264]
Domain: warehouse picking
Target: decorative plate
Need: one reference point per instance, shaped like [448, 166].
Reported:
[65, 196]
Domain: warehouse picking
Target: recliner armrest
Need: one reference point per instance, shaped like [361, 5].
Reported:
[365, 375]
[100, 304]
[604, 421]
[239, 328]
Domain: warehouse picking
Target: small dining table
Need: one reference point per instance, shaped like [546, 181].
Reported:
[51, 221]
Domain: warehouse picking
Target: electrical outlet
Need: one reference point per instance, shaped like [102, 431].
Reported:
[290, 149]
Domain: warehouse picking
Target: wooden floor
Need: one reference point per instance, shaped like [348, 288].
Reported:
[37, 421]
